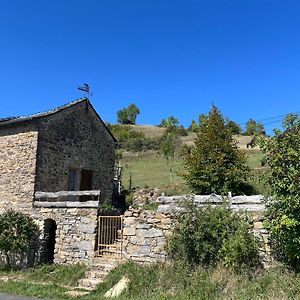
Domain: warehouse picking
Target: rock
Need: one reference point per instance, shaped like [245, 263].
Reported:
[118, 288]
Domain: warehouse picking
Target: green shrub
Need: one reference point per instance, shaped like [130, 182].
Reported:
[131, 140]
[208, 236]
[16, 234]
[283, 207]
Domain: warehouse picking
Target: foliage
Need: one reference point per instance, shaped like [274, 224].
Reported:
[253, 127]
[209, 236]
[16, 233]
[233, 127]
[168, 145]
[215, 165]
[127, 115]
[132, 140]
[283, 157]
[193, 127]
[171, 121]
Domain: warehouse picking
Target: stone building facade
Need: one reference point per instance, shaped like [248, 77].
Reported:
[64, 149]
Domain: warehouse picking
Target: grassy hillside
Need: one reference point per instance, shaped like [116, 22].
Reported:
[150, 169]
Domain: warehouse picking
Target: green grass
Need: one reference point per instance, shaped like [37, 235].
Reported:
[173, 281]
[254, 159]
[54, 274]
[150, 170]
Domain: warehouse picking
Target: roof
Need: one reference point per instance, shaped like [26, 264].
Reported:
[4, 122]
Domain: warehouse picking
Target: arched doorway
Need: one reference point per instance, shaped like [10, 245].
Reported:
[48, 243]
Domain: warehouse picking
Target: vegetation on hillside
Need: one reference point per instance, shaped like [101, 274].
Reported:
[127, 115]
[215, 164]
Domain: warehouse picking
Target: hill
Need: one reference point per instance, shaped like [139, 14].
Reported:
[150, 169]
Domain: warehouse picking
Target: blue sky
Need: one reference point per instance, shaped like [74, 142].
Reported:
[169, 57]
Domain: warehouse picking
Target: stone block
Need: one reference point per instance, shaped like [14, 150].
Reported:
[129, 230]
[84, 228]
[153, 233]
[130, 220]
[86, 246]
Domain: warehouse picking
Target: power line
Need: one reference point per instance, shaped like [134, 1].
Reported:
[274, 118]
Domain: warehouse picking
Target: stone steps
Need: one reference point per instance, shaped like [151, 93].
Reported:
[98, 270]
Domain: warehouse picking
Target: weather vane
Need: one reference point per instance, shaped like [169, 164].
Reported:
[85, 88]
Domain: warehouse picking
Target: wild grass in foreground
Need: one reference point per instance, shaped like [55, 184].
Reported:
[173, 281]
[50, 274]
[178, 281]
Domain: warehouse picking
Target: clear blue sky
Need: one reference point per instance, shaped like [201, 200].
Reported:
[169, 57]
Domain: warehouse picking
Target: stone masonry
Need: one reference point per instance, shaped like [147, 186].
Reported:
[38, 153]
[17, 169]
[75, 233]
[146, 232]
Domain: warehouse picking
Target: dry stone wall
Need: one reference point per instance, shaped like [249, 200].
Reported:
[17, 168]
[145, 235]
[146, 232]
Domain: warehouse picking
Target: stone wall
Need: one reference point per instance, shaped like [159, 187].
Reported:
[74, 138]
[146, 232]
[75, 233]
[17, 168]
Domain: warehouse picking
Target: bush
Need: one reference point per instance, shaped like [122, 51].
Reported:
[209, 236]
[16, 234]
[131, 140]
[283, 207]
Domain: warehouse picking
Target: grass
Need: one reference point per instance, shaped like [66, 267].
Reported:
[150, 169]
[46, 281]
[54, 274]
[176, 281]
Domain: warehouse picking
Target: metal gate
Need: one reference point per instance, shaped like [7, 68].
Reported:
[110, 236]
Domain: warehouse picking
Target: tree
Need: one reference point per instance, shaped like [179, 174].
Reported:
[215, 165]
[170, 122]
[253, 127]
[233, 127]
[283, 213]
[16, 233]
[127, 115]
[193, 127]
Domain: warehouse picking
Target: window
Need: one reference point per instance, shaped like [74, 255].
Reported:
[72, 180]
[86, 182]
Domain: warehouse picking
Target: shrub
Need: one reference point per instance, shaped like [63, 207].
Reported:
[131, 140]
[208, 236]
[16, 233]
[283, 218]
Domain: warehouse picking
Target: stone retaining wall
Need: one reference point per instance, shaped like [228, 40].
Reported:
[146, 232]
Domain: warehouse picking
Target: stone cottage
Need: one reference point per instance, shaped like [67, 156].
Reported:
[68, 148]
